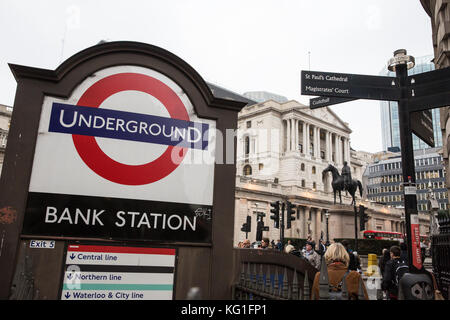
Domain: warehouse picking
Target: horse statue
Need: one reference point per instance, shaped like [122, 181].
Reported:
[338, 184]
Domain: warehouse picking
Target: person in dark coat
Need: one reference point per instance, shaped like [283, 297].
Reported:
[385, 257]
[353, 263]
[322, 247]
[388, 283]
[403, 252]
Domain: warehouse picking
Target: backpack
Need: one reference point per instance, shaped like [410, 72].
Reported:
[337, 292]
[400, 269]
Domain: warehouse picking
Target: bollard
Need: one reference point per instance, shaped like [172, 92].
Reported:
[372, 265]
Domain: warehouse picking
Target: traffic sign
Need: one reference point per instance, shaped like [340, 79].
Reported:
[346, 85]
[319, 102]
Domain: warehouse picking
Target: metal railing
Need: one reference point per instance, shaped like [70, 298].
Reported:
[265, 285]
[271, 275]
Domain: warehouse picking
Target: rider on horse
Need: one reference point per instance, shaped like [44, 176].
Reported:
[346, 173]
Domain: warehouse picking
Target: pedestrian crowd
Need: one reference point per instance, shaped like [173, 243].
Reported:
[343, 264]
[393, 265]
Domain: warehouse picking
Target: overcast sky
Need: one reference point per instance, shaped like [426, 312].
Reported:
[241, 45]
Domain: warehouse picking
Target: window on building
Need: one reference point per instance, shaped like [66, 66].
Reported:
[311, 149]
[314, 186]
[322, 154]
[247, 145]
[303, 183]
[300, 147]
[302, 167]
[247, 170]
[313, 170]
[261, 166]
[249, 124]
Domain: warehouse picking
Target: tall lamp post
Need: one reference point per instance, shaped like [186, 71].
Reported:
[327, 216]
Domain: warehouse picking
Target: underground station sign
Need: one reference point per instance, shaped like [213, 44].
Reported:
[124, 157]
[95, 272]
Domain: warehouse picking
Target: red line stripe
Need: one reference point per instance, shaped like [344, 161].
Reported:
[113, 249]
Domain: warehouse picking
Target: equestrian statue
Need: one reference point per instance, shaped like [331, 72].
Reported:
[343, 182]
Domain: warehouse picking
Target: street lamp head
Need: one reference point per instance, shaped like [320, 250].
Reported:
[327, 215]
[401, 58]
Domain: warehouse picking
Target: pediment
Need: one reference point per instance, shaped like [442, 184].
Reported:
[327, 115]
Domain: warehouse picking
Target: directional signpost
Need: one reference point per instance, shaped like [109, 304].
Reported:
[350, 86]
[416, 95]
[422, 126]
[327, 101]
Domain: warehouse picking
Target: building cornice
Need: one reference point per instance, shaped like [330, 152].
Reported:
[306, 116]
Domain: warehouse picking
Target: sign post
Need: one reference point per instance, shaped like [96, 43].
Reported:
[415, 95]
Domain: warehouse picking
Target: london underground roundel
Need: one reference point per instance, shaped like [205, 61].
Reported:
[127, 132]
[101, 163]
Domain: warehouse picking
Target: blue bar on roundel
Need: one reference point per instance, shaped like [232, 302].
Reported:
[106, 123]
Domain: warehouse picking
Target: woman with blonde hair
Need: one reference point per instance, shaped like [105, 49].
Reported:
[337, 260]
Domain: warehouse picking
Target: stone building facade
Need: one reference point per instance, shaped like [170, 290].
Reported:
[282, 149]
[384, 180]
[439, 12]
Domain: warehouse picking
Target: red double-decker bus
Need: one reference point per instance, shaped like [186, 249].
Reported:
[388, 235]
[382, 235]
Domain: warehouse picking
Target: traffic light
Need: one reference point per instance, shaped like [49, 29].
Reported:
[246, 227]
[259, 230]
[289, 213]
[363, 218]
[276, 213]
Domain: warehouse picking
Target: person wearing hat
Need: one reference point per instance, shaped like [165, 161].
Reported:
[312, 256]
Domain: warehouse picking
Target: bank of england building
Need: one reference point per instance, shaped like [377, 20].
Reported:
[282, 149]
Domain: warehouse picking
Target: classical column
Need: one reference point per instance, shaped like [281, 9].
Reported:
[304, 137]
[344, 151]
[336, 149]
[306, 133]
[318, 224]
[316, 138]
[313, 223]
[305, 219]
[348, 150]
[288, 135]
[330, 150]
[329, 145]
[296, 135]
[318, 143]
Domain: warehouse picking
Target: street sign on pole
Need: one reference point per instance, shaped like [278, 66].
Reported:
[415, 94]
[422, 126]
[428, 78]
[429, 102]
[319, 102]
[345, 85]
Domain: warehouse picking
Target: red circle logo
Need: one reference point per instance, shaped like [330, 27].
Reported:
[117, 172]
